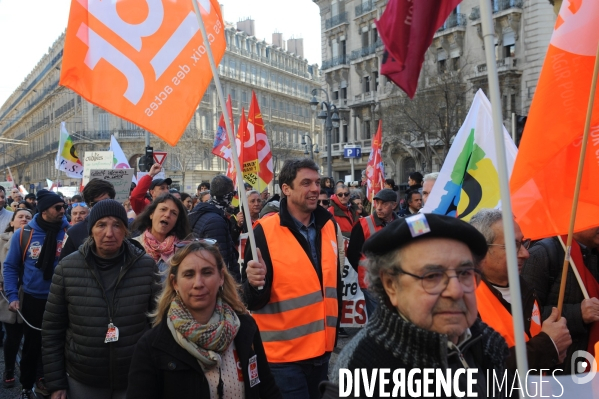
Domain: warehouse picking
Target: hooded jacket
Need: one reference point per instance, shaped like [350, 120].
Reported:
[344, 215]
[208, 221]
[78, 313]
[33, 278]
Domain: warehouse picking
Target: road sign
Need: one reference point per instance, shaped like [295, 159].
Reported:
[352, 151]
[159, 157]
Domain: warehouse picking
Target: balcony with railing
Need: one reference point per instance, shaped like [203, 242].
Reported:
[335, 61]
[474, 13]
[502, 5]
[336, 20]
[365, 8]
[363, 52]
[453, 21]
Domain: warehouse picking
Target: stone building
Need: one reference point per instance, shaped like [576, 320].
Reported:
[413, 140]
[282, 81]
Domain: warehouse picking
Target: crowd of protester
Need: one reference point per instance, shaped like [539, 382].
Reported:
[160, 296]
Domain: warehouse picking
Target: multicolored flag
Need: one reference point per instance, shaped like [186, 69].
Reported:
[222, 146]
[66, 156]
[375, 170]
[407, 29]
[542, 185]
[255, 126]
[154, 58]
[468, 180]
[120, 160]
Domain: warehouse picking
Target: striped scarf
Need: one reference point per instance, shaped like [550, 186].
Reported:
[205, 342]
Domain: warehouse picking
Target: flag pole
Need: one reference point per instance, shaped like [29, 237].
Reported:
[583, 151]
[235, 157]
[506, 205]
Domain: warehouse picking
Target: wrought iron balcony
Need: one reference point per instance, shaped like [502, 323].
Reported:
[475, 13]
[335, 61]
[502, 5]
[336, 20]
[363, 52]
[453, 21]
[364, 8]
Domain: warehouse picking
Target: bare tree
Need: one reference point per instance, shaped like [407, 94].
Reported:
[424, 127]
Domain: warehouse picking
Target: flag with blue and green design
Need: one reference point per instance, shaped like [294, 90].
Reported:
[468, 180]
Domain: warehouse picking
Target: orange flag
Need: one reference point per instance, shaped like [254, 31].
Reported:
[544, 175]
[257, 132]
[246, 146]
[375, 170]
[144, 61]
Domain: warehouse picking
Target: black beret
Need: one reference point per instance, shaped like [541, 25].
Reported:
[386, 195]
[405, 230]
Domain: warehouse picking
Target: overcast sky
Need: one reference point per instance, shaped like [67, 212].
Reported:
[29, 27]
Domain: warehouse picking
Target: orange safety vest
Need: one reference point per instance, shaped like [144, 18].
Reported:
[299, 322]
[369, 228]
[492, 312]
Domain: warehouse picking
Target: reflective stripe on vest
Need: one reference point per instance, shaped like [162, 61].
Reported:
[299, 321]
[492, 312]
[369, 229]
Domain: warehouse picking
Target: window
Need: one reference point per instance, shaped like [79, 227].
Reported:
[376, 80]
[104, 121]
[509, 51]
[233, 94]
[242, 72]
[366, 130]
[366, 83]
[441, 67]
[455, 64]
[247, 45]
[344, 93]
[513, 102]
[335, 95]
[244, 97]
[237, 41]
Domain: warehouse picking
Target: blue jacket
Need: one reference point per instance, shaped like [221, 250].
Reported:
[33, 278]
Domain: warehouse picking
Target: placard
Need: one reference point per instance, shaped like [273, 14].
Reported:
[98, 160]
[353, 308]
[119, 178]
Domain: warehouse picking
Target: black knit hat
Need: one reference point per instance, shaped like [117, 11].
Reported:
[45, 199]
[104, 208]
[405, 231]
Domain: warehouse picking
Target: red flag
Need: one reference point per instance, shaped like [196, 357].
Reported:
[375, 170]
[256, 128]
[143, 61]
[407, 29]
[544, 175]
[246, 146]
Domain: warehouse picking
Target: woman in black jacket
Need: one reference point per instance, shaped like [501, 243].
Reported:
[97, 310]
[203, 344]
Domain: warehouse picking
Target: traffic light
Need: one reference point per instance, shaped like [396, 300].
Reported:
[146, 161]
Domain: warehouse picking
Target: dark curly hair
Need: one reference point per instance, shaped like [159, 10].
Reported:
[180, 230]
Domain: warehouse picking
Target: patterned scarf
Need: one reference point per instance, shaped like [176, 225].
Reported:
[205, 342]
[157, 249]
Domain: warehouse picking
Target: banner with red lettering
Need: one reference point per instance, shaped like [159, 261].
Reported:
[144, 61]
[353, 307]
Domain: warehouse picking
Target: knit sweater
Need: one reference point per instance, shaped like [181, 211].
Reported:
[389, 341]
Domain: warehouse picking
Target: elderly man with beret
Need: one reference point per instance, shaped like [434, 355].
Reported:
[425, 269]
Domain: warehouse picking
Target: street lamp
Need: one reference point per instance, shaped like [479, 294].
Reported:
[313, 147]
[329, 114]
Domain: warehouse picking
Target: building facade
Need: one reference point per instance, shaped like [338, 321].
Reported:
[352, 53]
[281, 79]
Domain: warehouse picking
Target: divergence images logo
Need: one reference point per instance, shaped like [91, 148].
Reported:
[580, 366]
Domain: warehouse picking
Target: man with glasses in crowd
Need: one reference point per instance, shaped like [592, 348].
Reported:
[323, 199]
[425, 268]
[548, 341]
[79, 212]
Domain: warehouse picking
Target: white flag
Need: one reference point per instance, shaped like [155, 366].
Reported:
[120, 159]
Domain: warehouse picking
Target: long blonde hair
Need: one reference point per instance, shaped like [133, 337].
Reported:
[230, 291]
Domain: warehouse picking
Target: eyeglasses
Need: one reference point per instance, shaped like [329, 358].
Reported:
[324, 202]
[519, 244]
[58, 208]
[207, 241]
[81, 204]
[342, 195]
[436, 282]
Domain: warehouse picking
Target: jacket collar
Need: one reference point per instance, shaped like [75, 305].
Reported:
[321, 216]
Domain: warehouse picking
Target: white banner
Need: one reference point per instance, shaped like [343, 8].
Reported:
[353, 309]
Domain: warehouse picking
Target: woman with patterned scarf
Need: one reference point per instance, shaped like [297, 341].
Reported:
[204, 344]
[162, 225]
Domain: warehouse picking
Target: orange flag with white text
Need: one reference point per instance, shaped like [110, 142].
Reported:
[544, 174]
[257, 132]
[144, 61]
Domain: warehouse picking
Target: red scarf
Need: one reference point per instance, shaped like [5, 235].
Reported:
[592, 287]
[157, 249]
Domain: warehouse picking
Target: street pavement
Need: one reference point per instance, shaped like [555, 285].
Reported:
[13, 393]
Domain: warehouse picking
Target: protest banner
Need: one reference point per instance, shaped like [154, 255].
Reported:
[96, 160]
[119, 178]
[353, 308]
